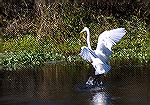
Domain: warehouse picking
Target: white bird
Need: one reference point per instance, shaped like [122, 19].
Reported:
[100, 57]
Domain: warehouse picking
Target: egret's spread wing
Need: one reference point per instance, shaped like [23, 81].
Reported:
[109, 38]
[85, 54]
[92, 53]
[89, 55]
[96, 58]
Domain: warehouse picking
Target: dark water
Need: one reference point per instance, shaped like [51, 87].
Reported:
[58, 84]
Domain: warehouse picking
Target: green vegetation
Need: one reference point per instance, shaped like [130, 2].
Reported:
[38, 32]
[18, 60]
[134, 46]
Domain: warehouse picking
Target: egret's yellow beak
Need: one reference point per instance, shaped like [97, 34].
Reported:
[82, 35]
[81, 31]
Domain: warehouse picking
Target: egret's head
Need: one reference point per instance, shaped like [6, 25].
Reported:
[84, 29]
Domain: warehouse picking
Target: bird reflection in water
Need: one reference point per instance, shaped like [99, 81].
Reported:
[100, 98]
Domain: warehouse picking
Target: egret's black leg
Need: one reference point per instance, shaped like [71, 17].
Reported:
[90, 81]
[99, 79]
[90, 76]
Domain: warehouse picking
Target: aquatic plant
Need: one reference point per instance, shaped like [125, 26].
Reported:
[25, 59]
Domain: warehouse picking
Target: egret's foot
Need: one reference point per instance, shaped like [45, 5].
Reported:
[90, 81]
[99, 80]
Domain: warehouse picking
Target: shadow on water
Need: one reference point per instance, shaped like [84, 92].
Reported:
[55, 84]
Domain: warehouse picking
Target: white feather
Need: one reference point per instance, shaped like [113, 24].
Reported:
[109, 38]
[85, 54]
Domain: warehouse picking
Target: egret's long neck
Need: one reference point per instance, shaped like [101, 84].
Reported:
[88, 38]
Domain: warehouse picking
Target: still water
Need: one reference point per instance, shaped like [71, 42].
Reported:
[59, 84]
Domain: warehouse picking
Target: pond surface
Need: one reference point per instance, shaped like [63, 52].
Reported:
[57, 84]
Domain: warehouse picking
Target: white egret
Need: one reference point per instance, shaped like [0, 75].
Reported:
[99, 58]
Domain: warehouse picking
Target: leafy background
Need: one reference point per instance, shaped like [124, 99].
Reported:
[38, 31]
